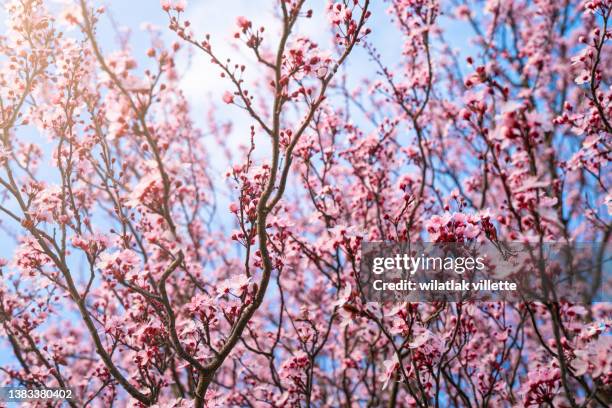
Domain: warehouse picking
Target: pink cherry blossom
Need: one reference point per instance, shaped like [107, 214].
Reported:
[228, 97]
[243, 23]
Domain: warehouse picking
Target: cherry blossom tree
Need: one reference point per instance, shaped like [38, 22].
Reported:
[134, 284]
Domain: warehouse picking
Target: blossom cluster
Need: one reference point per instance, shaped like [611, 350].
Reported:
[140, 277]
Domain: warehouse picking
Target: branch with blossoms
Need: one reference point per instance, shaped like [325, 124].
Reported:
[58, 216]
[127, 284]
[288, 63]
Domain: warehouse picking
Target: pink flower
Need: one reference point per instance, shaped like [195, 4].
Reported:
[542, 385]
[118, 263]
[390, 367]
[583, 77]
[228, 97]
[343, 296]
[422, 336]
[243, 23]
[180, 5]
[463, 12]
[236, 285]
